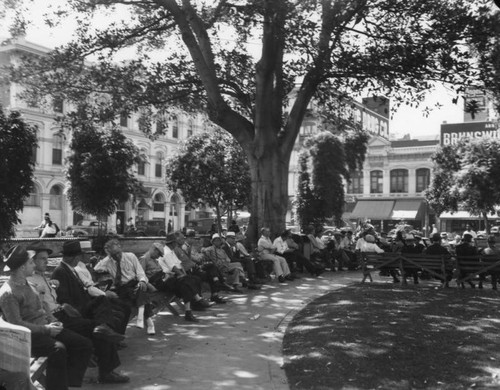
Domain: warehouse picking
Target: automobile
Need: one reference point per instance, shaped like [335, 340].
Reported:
[151, 227]
[495, 230]
[201, 225]
[482, 234]
[86, 227]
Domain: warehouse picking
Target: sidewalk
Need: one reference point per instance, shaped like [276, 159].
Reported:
[234, 346]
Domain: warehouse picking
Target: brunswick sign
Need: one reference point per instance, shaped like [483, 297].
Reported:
[451, 133]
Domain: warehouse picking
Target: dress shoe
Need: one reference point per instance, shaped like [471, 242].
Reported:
[113, 377]
[150, 326]
[289, 277]
[190, 317]
[103, 331]
[281, 279]
[203, 303]
[218, 299]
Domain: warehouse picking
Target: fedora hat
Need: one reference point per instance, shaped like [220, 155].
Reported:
[159, 246]
[38, 246]
[170, 238]
[17, 256]
[72, 248]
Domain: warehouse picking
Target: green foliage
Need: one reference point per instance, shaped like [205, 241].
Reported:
[211, 168]
[17, 142]
[466, 176]
[200, 55]
[99, 170]
[332, 158]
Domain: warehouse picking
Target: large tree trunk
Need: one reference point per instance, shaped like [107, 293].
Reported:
[269, 174]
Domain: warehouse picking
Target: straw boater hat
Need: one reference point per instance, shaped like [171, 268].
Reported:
[230, 234]
[159, 246]
[215, 236]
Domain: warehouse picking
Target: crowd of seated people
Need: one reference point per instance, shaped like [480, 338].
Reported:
[80, 312]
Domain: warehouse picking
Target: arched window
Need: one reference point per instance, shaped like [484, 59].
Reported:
[376, 182]
[355, 186]
[56, 198]
[423, 179]
[57, 149]
[175, 127]
[159, 164]
[190, 130]
[399, 180]
[159, 202]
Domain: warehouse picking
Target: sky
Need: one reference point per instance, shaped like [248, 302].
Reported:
[406, 120]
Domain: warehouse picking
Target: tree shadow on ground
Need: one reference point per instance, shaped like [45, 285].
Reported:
[381, 336]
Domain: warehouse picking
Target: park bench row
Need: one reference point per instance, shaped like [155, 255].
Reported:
[465, 268]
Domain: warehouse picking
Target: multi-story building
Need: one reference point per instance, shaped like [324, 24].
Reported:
[48, 193]
[389, 189]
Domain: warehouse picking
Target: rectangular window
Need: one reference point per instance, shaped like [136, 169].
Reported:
[158, 206]
[399, 181]
[56, 156]
[376, 182]
[423, 179]
[33, 200]
[356, 184]
[141, 168]
[158, 170]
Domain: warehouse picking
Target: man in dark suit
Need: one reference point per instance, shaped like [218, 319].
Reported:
[436, 249]
[466, 249]
[72, 291]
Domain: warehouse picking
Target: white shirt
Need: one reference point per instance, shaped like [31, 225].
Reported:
[130, 268]
[86, 278]
[169, 260]
[281, 245]
[264, 245]
[369, 247]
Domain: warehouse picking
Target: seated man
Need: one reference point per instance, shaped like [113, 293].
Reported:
[238, 254]
[95, 328]
[188, 251]
[319, 250]
[232, 272]
[437, 249]
[68, 352]
[466, 250]
[129, 281]
[267, 251]
[292, 255]
[168, 275]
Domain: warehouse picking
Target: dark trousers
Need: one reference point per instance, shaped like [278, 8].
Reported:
[66, 364]
[185, 287]
[133, 296]
[105, 351]
[208, 273]
[295, 259]
[248, 266]
[113, 312]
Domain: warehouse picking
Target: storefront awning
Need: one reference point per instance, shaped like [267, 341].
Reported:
[373, 209]
[406, 209]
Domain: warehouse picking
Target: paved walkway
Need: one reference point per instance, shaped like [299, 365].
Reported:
[234, 346]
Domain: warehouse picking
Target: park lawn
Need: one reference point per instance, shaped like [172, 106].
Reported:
[385, 336]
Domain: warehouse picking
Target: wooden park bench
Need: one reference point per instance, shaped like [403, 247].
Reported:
[435, 265]
[470, 267]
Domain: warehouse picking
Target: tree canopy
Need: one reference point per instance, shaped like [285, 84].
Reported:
[466, 177]
[99, 169]
[210, 168]
[17, 143]
[255, 65]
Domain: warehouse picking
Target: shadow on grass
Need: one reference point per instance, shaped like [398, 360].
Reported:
[380, 336]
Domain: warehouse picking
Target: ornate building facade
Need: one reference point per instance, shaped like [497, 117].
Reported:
[48, 194]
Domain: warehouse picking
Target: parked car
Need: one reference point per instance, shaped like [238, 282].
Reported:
[495, 230]
[152, 227]
[202, 225]
[86, 227]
